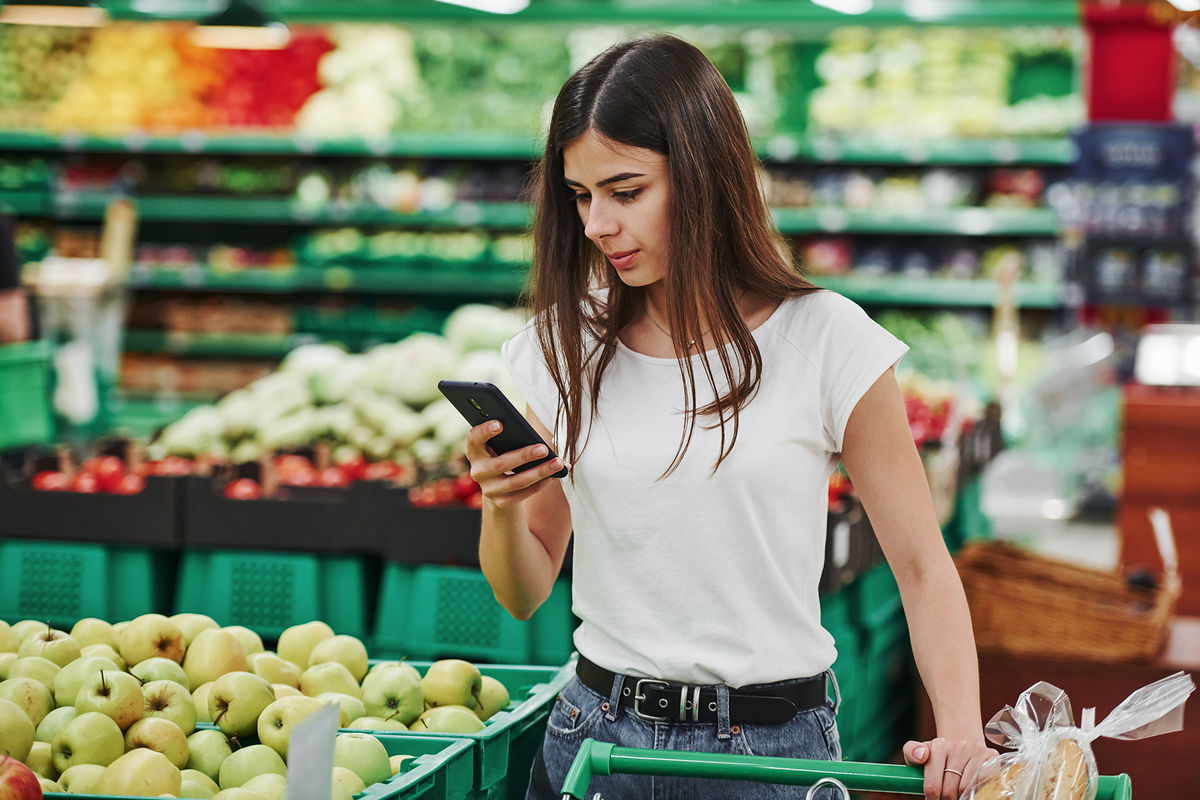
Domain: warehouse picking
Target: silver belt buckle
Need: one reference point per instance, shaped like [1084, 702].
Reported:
[638, 697]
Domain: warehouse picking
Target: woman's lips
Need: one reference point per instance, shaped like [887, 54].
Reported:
[623, 261]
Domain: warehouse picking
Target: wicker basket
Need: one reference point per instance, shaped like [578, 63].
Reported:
[1027, 605]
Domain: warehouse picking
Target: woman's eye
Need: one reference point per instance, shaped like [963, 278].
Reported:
[580, 198]
[628, 196]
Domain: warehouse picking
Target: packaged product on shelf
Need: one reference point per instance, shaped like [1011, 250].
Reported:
[1052, 757]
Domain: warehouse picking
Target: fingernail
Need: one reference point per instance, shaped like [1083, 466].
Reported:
[919, 752]
[495, 426]
[539, 451]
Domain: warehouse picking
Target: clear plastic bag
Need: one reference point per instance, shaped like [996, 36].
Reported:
[1052, 758]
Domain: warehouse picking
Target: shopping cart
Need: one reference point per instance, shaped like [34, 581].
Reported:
[601, 758]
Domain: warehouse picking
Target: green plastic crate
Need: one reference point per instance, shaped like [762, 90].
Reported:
[62, 582]
[505, 748]
[877, 596]
[26, 416]
[442, 769]
[269, 592]
[427, 611]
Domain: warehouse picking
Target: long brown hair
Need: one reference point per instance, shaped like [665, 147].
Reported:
[661, 94]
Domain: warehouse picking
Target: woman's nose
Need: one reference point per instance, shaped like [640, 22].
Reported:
[601, 221]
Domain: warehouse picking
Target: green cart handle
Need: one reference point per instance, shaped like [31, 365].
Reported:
[602, 758]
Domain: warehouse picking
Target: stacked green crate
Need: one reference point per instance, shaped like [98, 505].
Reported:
[26, 417]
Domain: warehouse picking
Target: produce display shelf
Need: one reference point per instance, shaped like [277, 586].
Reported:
[782, 147]
[952, 222]
[404, 280]
[936, 292]
[248, 345]
[171, 208]
[24, 202]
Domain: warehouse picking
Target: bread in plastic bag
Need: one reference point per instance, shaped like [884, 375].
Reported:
[1052, 758]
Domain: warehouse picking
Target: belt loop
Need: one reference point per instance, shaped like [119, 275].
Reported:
[837, 691]
[614, 698]
[723, 724]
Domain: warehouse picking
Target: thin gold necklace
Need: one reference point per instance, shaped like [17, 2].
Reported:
[654, 322]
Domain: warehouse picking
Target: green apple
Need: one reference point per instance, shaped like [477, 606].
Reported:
[277, 720]
[148, 636]
[376, 724]
[382, 665]
[40, 761]
[207, 750]
[197, 784]
[244, 764]
[191, 624]
[251, 641]
[452, 682]
[117, 694]
[40, 669]
[6, 662]
[200, 701]
[297, 642]
[80, 779]
[397, 763]
[345, 650]
[16, 730]
[349, 778]
[57, 646]
[90, 630]
[27, 627]
[169, 700]
[155, 733]
[351, 707]
[48, 785]
[9, 641]
[54, 722]
[157, 668]
[235, 701]
[268, 784]
[141, 772]
[212, 654]
[90, 738]
[274, 668]
[393, 693]
[364, 755]
[68, 679]
[448, 719]
[103, 651]
[331, 676]
[493, 697]
[238, 793]
[283, 690]
[32, 696]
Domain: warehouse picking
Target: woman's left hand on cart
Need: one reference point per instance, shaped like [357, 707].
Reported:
[951, 765]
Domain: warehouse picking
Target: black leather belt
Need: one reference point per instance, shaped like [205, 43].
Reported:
[664, 701]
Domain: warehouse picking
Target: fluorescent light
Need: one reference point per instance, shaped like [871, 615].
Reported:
[846, 6]
[494, 6]
[73, 16]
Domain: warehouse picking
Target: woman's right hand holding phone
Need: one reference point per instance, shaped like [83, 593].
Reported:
[496, 474]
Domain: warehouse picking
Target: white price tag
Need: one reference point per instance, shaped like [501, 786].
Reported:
[310, 755]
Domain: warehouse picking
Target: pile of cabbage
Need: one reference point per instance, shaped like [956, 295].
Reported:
[383, 403]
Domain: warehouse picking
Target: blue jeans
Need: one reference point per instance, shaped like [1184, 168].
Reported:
[580, 713]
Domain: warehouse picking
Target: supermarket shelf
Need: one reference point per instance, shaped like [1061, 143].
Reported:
[24, 202]
[246, 345]
[964, 221]
[936, 292]
[784, 147]
[418, 281]
[72, 205]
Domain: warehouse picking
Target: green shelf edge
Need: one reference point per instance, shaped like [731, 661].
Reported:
[780, 147]
[936, 292]
[507, 283]
[955, 222]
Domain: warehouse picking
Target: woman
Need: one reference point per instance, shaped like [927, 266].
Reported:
[702, 392]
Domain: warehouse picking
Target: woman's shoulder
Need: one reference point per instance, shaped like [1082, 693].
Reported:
[816, 312]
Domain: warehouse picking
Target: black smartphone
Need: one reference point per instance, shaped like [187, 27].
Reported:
[480, 402]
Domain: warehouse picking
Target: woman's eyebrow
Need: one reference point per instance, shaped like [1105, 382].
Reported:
[624, 176]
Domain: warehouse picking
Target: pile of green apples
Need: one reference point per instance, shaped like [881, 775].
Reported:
[180, 706]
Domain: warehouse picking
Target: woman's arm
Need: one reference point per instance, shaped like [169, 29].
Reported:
[885, 468]
[526, 521]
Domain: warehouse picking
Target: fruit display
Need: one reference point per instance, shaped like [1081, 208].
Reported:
[37, 63]
[1040, 261]
[181, 705]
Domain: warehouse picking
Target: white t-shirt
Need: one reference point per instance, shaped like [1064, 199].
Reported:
[705, 578]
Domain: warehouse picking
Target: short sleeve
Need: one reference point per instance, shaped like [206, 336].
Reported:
[526, 365]
[855, 351]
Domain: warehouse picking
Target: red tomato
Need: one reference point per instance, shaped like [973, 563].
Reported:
[108, 471]
[421, 496]
[444, 493]
[465, 486]
[85, 483]
[301, 478]
[130, 483]
[355, 466]
[334, 476]
[50, 480]
[381, 471]
[171, 465]
[289, 465]
[243, 489]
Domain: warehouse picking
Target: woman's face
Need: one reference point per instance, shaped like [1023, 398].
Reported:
[622, 194]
